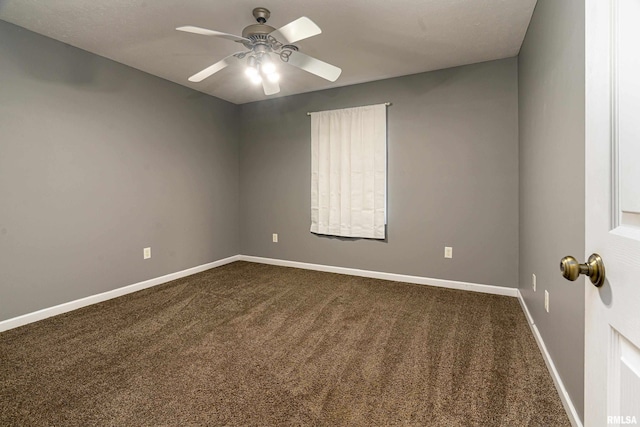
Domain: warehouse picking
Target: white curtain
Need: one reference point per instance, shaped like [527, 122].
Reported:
[349, 172]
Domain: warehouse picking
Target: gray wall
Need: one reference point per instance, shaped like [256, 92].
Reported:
[452, 176]
[552, 121]
[97, 161]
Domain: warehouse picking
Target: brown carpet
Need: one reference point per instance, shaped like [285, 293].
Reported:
[251, 344]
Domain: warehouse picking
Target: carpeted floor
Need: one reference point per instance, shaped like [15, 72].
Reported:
[251, 344]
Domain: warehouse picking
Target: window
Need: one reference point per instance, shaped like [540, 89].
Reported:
[349, 172]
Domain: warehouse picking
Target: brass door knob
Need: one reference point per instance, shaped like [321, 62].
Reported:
[594, 268]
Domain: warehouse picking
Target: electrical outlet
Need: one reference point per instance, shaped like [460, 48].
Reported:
[146, 253]
[546, 300]
[275, 237]
[448, 252]
[533, 282]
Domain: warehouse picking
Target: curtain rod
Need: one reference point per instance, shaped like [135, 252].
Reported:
[386, 103]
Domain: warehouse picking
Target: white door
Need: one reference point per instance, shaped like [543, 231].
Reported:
[612, 319]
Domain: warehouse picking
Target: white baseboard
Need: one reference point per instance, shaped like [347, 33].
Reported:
[93, 299]
[562, 391]
[475, 287]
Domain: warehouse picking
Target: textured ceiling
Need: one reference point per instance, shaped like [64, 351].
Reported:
[368, 39]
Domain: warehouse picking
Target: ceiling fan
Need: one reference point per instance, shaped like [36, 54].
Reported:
[264, 43]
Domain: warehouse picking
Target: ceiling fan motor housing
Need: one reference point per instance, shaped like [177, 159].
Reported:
[257, 30]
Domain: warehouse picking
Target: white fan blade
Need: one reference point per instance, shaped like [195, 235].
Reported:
[270, 88]
[297, 30]
[209, 71]
[314, 66]
[205, 32]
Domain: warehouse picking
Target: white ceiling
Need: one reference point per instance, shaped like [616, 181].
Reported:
[368, 39]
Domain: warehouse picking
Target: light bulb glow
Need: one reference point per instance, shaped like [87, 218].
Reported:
[273, 77]
[256, 79]
[268, 67]
[250, 72]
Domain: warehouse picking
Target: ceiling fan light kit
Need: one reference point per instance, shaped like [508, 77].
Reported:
[263, 43]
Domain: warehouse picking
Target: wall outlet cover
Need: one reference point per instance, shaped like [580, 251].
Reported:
[146, 253]
[448, 252]
[546, 300]
[275, 237]
[533, 282]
